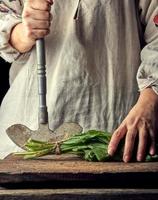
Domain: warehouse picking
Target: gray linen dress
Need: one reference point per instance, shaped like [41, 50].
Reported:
[95, 66]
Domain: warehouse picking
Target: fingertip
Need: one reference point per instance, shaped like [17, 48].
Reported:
[110, 151]
[152, 151]
[139, 157]
[126, 158]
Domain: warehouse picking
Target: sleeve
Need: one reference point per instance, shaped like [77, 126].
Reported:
[10, 15]
[147, 75]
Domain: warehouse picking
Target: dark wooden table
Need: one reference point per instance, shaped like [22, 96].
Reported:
[68, 177]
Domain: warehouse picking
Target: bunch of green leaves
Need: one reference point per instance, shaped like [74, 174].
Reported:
[91, 146]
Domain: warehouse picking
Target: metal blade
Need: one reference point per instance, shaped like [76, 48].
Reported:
[43, 134]
[66, 130]
[19, 134]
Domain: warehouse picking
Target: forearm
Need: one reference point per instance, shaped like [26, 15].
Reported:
[19, 41]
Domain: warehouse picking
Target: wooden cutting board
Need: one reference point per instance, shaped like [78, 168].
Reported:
[63, 169]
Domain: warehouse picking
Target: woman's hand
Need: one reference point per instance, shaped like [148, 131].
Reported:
[36, 20]
[142, 121]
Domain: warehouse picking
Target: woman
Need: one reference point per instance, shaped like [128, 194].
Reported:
[93, 58]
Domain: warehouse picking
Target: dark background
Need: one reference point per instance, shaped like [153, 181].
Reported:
[4, 78]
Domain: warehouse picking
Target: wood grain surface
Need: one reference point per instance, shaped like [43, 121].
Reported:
[78, 194]
[70, 169]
